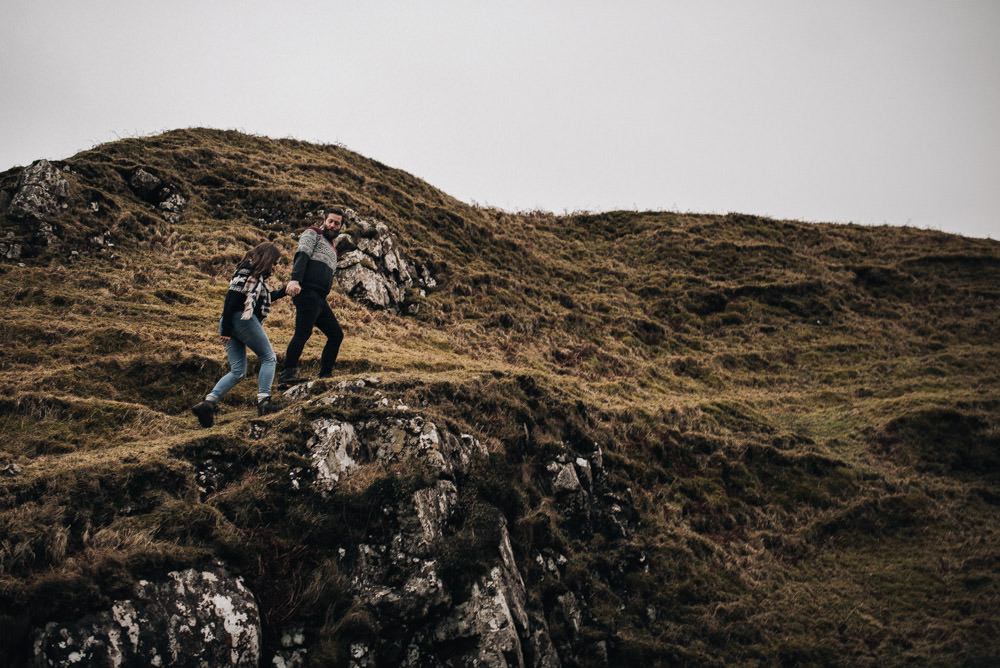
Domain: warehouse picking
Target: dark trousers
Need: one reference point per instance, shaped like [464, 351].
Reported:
[311, 310]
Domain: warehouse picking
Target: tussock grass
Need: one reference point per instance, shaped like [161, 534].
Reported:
[799, 421]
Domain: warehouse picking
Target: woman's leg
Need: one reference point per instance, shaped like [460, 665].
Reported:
[255, 337]
[236, 350]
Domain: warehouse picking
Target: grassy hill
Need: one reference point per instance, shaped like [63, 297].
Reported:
[802, 421]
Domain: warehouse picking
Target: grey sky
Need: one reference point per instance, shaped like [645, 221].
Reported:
[874, 111]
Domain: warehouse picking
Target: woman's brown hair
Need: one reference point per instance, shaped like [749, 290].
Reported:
[261, 259]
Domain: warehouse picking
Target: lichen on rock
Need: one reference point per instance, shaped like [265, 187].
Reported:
[191, 618]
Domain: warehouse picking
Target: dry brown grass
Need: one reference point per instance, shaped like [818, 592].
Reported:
[738, 372]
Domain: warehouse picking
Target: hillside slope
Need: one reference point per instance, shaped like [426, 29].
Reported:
[791, 431]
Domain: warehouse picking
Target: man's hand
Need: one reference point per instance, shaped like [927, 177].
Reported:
[293, 288]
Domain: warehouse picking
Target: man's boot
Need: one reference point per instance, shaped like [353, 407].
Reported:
[288, 378]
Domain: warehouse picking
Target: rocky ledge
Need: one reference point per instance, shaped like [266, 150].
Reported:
[437, 574]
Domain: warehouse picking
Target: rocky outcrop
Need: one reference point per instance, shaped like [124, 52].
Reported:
[427, 622]
[489, 618]
[424, 620]
[339, 448]
[42, 192]
[44, 212]
[374, 270]
[580, 494]
[164, 196]
[194, 618]
[434, 570]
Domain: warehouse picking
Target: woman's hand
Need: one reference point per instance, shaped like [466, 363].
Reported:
[293, 288]
[225, 340]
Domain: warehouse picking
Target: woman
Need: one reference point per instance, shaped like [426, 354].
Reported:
[248, 302]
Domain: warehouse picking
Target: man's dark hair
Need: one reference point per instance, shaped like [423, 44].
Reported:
[335, 208]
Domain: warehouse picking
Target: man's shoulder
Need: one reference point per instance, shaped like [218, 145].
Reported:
[308, 238]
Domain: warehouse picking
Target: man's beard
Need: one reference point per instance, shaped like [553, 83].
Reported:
[330, 233]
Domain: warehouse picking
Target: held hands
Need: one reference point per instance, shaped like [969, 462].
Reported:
[293, 288]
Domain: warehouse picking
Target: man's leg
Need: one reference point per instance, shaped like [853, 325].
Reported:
[328, 324]
[307, 308]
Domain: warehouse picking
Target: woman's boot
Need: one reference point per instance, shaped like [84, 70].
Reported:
[205, 410]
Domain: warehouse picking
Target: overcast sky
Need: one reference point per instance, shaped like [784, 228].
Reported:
[866, 111]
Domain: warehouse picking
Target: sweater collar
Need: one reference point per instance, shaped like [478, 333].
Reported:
[319, 231]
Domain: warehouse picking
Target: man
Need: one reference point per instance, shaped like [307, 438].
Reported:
[313, 267]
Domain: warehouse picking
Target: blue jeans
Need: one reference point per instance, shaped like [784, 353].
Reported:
[247, 333]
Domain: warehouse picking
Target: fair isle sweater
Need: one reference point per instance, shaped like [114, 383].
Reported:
[315, 261]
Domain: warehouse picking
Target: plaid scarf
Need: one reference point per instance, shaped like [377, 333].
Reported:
[256, 292]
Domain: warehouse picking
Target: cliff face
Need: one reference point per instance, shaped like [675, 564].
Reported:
[631, 438]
